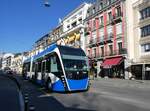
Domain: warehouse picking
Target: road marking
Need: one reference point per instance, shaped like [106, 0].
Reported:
[44, 95]
[137, 103]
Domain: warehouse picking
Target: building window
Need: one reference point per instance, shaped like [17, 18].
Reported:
[109, 16]
[145, 31]
[118, 9]
[89, 53]
[101, 20]
[74, 24]
[109, 2]
[145, 13]
[93, 10]
[111, 49]
[102, 51]
[101, 6]
[94, 24]
[120, 47]
[68, 26]
[94, 52]
[146, 47]
[80, 20]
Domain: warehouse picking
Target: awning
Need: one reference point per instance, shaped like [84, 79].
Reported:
[66, 40]
[108, 63]
[71, 38]
[77, 36]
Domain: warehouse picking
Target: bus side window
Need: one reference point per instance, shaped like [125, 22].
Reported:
[43, 66]
[39, 66]
[53, 64]
[28, 67]
[33, 67]
[36, 66]
[48, 64]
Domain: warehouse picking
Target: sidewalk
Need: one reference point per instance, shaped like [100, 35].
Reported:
[123, 82]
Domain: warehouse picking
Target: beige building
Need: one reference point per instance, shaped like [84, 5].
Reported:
[17, 63]
[7, 60]
[73, 27]
[138, 41]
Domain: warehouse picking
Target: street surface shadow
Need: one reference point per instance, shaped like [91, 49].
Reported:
[52, 104]
[45, 101]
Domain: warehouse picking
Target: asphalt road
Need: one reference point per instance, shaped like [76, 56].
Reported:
[104, 95]
[107, 96]
[9, 95]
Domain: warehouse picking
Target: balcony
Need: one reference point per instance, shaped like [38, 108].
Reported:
[145, 40]
[101, 25]
[87, 31]
[117, 18]
[71, 30]
[109, 38]
[144, 21]
[109, 53]
[100, 41]
[92, 42]
[120, 51]
[96, 56]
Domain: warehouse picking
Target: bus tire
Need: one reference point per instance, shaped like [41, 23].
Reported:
[49, 85]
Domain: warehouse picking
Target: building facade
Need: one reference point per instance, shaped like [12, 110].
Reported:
[138, 32]
[17, 63]
[7, 60]
[1, 59]
[105, 38]
[73, 27]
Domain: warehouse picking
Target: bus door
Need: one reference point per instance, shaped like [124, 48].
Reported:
[56, 69]
[43, 69]
[36, 70]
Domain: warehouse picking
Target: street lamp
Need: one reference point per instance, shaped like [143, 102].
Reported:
[46, 3]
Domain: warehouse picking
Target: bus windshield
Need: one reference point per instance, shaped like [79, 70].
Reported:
[75, 63]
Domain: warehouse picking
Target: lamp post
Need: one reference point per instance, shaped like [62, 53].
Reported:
[46, 3]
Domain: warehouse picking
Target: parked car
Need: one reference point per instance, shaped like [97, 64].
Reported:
[7, 70]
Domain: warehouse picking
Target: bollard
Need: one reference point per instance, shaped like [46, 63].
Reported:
[26, 105]
[26, 94]
[26, 101]
[31, 108]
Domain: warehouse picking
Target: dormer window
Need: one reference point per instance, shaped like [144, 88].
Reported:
[94, 10]
[101, 6]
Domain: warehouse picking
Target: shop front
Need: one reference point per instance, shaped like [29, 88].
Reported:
[141, 71]
[113, 67]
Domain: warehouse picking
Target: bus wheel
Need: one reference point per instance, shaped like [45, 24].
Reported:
[49, 85]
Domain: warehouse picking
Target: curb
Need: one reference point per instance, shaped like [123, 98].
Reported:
[21, 99]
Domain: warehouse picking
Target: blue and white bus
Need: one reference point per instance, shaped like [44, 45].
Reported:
[59, 68]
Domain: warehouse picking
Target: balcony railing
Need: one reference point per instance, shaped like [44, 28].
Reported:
[108, 53]
[87, 30]
[97, 55]
[100, 40]
[116, 18]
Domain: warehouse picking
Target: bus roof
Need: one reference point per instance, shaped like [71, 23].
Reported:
[64, 50]
[45, 52]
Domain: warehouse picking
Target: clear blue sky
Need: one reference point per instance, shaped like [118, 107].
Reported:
[22, 22]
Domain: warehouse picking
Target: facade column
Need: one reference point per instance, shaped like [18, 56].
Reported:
[143, 71]
[123, 24]
[114, 31]
[98, 40]
[90, 27]
[105, 31]
[97, 35]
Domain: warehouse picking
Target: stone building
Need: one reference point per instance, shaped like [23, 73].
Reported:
[105, 37]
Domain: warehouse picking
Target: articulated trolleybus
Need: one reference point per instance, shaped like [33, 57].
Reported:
[59, 68]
